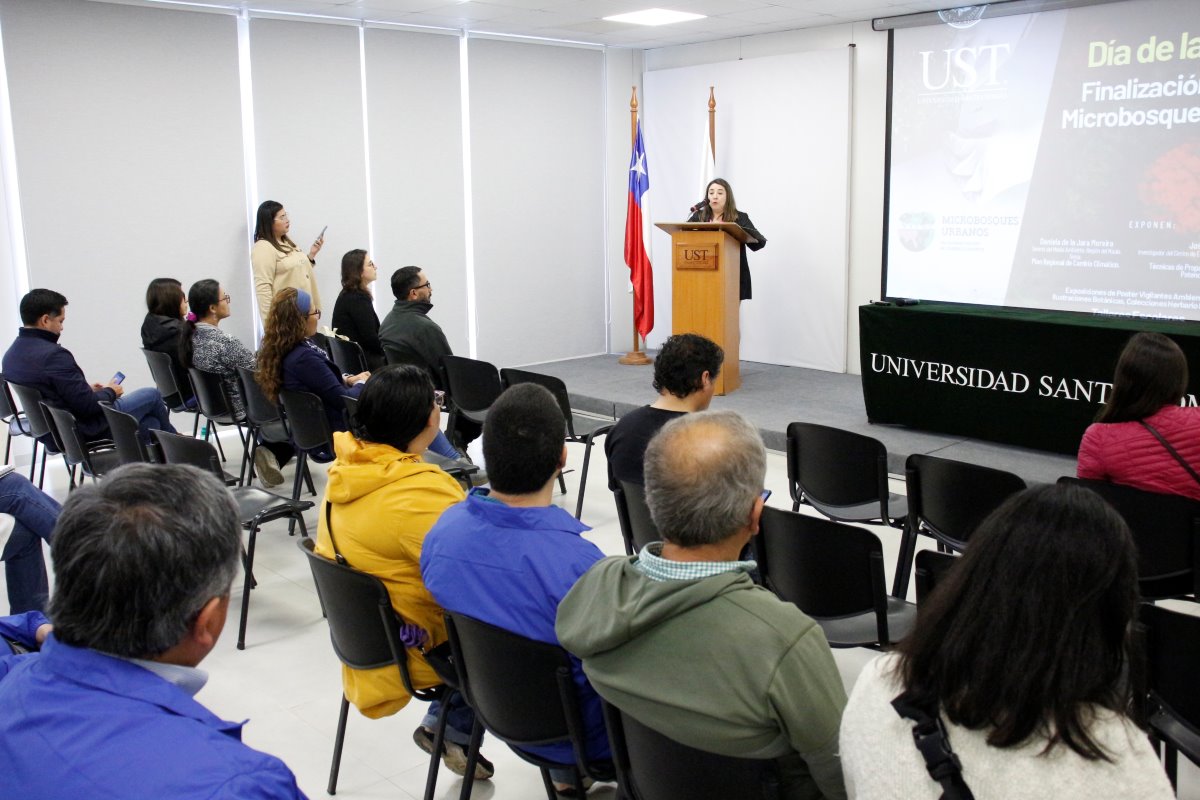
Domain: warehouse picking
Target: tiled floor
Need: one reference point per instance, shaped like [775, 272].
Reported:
[287, 680]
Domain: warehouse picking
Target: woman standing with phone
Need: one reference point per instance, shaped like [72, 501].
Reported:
[278, 263]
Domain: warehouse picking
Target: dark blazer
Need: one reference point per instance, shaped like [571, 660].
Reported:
[743, 221]
[37, 359]
[307, 368]
[354, 317]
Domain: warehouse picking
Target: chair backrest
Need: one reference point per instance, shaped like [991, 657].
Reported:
[305, 414]
[1166, 532]
[124, 430]
[39, 424]
[826, 568]
[178, 449]
[210, 393]
[8, 405]
[522, 690]
[950, 498]
[651, 766]
[474, 385]
[363, 626]
[348, 355]
[511, 377]
[68, 433]
[163, 373]
[1172, 640]
[637, 526]
[351, 404]
[931, 568]
[835, 467]
[259, 410]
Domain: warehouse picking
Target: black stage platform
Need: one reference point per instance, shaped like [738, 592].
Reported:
[772, 396]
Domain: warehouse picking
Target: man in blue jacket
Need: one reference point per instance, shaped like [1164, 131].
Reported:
[37, 359]
[143, 565]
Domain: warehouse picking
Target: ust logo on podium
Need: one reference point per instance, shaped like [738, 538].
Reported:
[694, 256]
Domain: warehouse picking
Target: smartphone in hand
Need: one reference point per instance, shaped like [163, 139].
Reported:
[118, 378]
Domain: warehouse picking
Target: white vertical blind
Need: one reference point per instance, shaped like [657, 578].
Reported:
[415, 122]
[537, 155]
[128, 147]
[309, 148]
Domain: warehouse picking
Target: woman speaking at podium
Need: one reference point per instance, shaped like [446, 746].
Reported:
[718, 206]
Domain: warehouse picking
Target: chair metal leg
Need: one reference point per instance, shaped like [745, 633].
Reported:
[549, 784]
[439, 742]
[251, 474]
[337, 747]
[587, 457]
[33, 463]
[196, 426]
[301, 468]
[308, 480]
[247, 586]
[904, 562]
[7, 447]
[42, 474]
[472, 760]
[216, 434]
[562, 484]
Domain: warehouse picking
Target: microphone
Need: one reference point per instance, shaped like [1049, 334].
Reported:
[702, 204]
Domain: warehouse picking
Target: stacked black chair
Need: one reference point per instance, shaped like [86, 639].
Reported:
[523, 692]
[97, 458]
[471, 386]
[348, 355]
[42, 430]
[633, 515]
[262, 418]
[256, 507]
[124, 430]
[833, 573]
[1166, 532]
[1172, 642]
[364, 629]
[16, 424]
[947, 500]
[580, 430]
[651, 766]
[175, 393]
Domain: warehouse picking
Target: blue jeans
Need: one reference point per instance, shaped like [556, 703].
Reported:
[441, 445]
[25, 568]
[460, 719]
[147, 407]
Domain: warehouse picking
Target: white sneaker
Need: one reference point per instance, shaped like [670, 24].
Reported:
[266, 466]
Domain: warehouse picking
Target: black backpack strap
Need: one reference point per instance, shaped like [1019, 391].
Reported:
[929, 735]
[1174, 453]
[337, 554]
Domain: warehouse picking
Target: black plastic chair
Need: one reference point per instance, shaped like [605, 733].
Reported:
[97, 458]
[262, 418]
[42, 430]
[16, 424]
[931, 568]
[308, 428]
[213, 402]
[580, 430]
[124, 430]
[471, 388]
[348, 355]
[633, 515]
[1172, 641]
[364, 629]
[834, 573]
[523, 692]
[1166, 532]
[947, 500]
[652, 766]
[175, 393]
[256, 507]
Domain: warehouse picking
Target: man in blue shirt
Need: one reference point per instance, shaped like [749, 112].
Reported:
[143, 565]
[507, 556]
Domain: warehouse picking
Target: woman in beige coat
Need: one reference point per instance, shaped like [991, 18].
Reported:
[278, 263]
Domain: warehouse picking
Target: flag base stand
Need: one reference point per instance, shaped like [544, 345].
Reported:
[635, 358]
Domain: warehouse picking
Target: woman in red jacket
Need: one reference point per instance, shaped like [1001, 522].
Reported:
[1128, 443]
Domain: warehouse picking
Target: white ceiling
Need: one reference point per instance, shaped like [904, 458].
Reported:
[581, 20]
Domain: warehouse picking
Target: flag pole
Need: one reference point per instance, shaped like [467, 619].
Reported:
[712, 123]
[634, 357]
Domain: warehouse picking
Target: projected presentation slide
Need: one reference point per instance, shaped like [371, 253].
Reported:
[1049, 160]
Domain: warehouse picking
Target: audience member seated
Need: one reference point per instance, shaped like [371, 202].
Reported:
[166, 307]
[508, 556]
[35, 513]
[37, 359]
[1025, 655]
[205, 346]
[681, 638]
[381, 501]
[1143, 437]
[354, 312]
[143, 563]
[277, 262]
[289, 359]
[685, 373]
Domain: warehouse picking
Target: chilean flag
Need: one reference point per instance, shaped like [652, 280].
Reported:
[641, 273]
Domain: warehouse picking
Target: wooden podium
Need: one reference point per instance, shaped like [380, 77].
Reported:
[705, 279]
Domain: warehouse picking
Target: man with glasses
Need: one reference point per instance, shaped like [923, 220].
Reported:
[679, 636]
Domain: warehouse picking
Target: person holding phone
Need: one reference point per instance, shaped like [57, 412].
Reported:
[277, 262]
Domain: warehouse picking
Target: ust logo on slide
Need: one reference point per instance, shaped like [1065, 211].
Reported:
[963, 68]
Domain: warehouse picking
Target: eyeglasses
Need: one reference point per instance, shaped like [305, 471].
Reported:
[439, 398]
[425, 285]
[226, 298]
[316, 313]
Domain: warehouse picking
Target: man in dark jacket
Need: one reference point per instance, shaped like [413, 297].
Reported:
[36, 359]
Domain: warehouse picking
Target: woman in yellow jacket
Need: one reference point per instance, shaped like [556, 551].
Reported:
[384, 500]
[276, 260]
